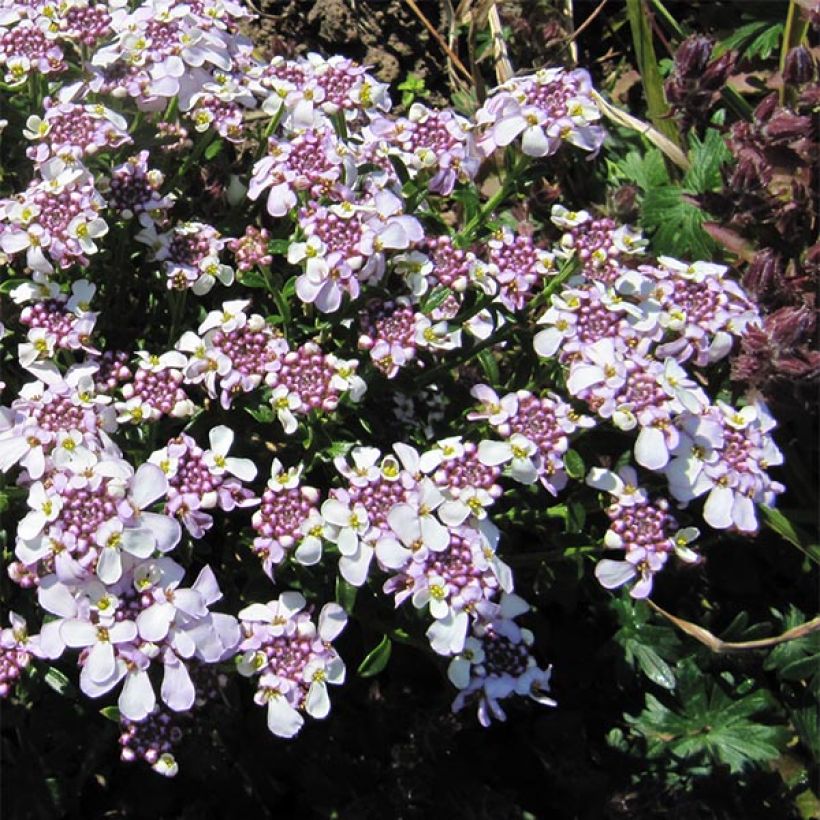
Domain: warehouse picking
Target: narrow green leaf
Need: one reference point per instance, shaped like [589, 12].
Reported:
[213, 149]
[653, 666]
[777, 521]
[574, 465]
[436, 297]
[111, 713]
[263, 414]
[488, 365]
[376, 659]
[346, 594]
[279, 247]
[59, 682]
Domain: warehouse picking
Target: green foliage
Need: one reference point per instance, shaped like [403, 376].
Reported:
[411, 88]
[758, 39]
[710, 720]
[376, 660]
[646, 646]
[670, 211]
[797, 666]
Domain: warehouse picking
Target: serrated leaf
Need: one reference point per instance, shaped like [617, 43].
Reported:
[707, 156]
[677, 224]
[706, 722]
[645, 170]
[111, 713]
[766, 43]
[739, 37]
[376, 659]
[574, 465]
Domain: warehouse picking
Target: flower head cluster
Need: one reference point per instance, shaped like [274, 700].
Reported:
[292, 657]
[496, 663]
[644, 529]
[201, 480]
[545, 109]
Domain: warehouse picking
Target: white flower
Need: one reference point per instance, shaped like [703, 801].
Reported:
[218, 461]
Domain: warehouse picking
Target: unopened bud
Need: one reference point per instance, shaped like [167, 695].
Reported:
[799, 66]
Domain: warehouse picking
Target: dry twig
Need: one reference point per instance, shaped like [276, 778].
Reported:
[439, 39]
[718, 646]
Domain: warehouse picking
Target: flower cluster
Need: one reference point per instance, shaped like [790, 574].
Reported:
[640, 527]
[360, 233]
[293, 658]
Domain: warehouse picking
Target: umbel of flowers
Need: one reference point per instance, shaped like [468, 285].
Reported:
[135, 432]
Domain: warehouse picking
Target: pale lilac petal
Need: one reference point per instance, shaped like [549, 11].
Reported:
[166, 530]
[109, 565]
[138, 542]
[283, 719]
[100, 662]
[153, 623]
[76, 633]
[391, 553]
[650, 449]
[717, 512]
[613, 574]
[137, 699]
[493, 453]
[243, 468]
[177, 689]
[332, 620]
[317, 703]
[221, 438]
[149, 484]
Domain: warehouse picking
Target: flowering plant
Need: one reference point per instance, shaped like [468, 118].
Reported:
[268, 352]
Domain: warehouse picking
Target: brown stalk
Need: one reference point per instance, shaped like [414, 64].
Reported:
[439, 39]
[718, 646]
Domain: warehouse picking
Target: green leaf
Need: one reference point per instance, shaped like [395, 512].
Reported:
[346, 594]
[252, 279]
[213, 149]
[111, 713]
[739, 37]
[488, 365]
[59, 682]
[645, 170]
[653, 666]
[376, 659]
[436, 297]
[574, 465]
[707, 722]
[340, 448]
[776, 520]
[766, 43]
[263, 414]
[10, 284]
[279, 247]
[707, 156]
[676, 224]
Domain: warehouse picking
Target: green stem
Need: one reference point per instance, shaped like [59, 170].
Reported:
[656, 104]
[731, 97]
[793, 35]
[508, 186]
